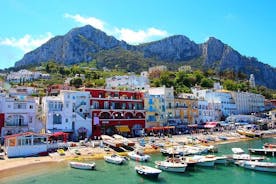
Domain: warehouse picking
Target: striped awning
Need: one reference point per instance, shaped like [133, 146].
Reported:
[122, 128]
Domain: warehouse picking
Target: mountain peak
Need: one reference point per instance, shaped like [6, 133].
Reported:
[87, 43]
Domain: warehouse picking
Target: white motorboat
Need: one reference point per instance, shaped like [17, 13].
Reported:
[172, 151]
[240, 155]
[204, 161]
[114, 159]
[172, 165]
[81, 165]
[147, 171]
[237, 151]
[246, 157]
[125, 141]
[219, 159]
[257, 166]
[139, 156]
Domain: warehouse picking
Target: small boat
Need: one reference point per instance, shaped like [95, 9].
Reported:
[81, 165]
[147, 171]
[264, 151]
[114, 159]
[269, 146]
[257, 166]
[172, 165]
[204, 161]
[172, 151]
[245, 157]
[139, 156]
[61, 152]
[219, 159]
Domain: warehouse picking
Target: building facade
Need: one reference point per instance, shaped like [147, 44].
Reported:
[115, 111]
[168, 97]
[68, 112]
[248, 102]
[155, 108]
[19, 114]
[131, 82]
[186, 109]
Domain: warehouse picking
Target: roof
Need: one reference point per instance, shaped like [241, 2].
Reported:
[24, 134]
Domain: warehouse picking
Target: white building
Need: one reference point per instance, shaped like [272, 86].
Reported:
[68, 112]
[131, 82]
[168, 100]
[23, 76]
[20, 114]
[208, 111]
[222, 97]
[248, 102]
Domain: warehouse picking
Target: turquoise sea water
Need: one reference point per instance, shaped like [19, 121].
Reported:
[107, 173]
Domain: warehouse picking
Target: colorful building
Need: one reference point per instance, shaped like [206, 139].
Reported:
[155, 108]
[167, 107]
[186, 108]
[115, 111]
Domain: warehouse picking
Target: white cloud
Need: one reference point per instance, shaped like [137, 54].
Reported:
[27, 42]
[97, 23]
[126, 34]
[140, 36]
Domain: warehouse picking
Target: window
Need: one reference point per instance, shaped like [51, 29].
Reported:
[31, 107]
[57, 119]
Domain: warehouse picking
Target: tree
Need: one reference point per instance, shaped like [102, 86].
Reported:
[207, 83]
[77, 82]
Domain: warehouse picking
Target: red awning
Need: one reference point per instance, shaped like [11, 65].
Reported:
[210, 124]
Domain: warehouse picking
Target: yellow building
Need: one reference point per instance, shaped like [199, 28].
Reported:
[186, 109]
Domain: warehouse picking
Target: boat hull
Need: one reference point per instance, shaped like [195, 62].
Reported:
[150, 173]
[267, 152]
[114, 161]
[258, 167]
[83, 166]
[171, 169]
[206, 163]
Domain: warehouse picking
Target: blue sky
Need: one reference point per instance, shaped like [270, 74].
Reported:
[249, 26]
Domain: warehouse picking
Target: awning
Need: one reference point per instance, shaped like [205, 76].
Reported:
[210, 124]
[122, 128]
[160, 128]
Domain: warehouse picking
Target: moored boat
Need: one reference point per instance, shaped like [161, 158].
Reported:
[114, 159]
[172, 165]
[204, 161]
[147, 171]
[139, 156]
[269, 146]
[81, 165]
[264, 151]
[219, 159]
[257, 166]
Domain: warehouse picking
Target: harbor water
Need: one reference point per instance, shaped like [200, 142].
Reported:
[106, 173]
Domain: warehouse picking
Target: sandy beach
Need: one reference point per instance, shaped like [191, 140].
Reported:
[10, 167]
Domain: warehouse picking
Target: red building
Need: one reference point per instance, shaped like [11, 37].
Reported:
[2, 122]
[115, 111]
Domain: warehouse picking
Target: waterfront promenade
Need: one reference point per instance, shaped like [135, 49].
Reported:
[10, 166]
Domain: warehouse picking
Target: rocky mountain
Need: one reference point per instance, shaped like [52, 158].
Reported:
[87, 43]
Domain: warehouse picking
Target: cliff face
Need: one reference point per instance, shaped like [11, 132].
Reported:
[76, 46]
[174, 48]
[85, 43]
